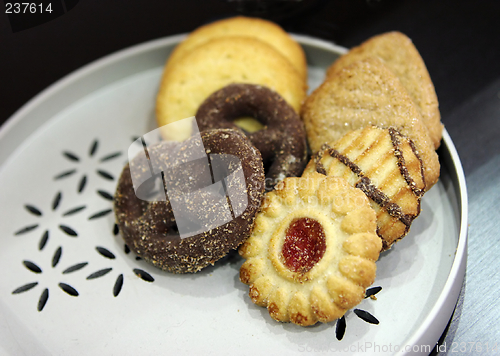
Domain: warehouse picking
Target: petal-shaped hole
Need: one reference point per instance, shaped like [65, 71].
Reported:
[99, 273]
[100, 214]
[57, 256]
[105, 252]
[43, 240]
[82, 184]
[116, 229]
[68, 289]
[26, 229]
[340, 328]
[43, 299]
[56, 201]
[33, 210]
[32, 267]
[105, 195]
[93, 148]
[105, 174]
[145, 276]
[68, 230]
[364, 315]
[372, 291]
[111, 156]
[74, 210]
[75, 268]
[25, 288]
[71, 156]
[118, 285]
[65, 174]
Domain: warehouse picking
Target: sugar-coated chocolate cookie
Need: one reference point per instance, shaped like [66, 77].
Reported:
[150, 228]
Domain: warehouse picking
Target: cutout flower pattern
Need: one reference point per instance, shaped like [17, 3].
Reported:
[44, 296]
[117, 287]
[35, 211]
[74, 158]
[341, 324]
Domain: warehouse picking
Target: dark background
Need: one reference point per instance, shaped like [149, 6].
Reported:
[458, 39]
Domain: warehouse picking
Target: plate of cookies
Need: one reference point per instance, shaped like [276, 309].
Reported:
[234, 189]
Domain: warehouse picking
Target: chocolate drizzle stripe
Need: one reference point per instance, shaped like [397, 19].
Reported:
[396, 143]
[422, 170]
[320, 168]
[372, 191]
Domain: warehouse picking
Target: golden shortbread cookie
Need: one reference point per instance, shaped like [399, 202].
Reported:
[399, 54]
[362, 94]
[260, 29]
[384, 165]
[312, 251]
[217, 63]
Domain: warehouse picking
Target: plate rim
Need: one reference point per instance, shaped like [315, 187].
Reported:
[437, 318]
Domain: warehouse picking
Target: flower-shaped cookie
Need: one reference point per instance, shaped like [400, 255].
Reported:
[313, 249]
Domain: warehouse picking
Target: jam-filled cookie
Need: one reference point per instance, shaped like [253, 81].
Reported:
[312, 251]
[385, 165]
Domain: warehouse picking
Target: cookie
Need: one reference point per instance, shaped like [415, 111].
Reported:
[362, 94]
[399, 54]
[214, 218]
[217, 63]
[260, 29]
[312, 251]
[385, 166]
[281, 141]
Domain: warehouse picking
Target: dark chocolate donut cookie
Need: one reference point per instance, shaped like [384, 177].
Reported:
[282, 141]
[209, 206]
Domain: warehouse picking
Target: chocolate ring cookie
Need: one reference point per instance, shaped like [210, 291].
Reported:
[209, 206]
[282, 141]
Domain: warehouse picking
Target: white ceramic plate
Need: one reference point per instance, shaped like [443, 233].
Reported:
[69, 286]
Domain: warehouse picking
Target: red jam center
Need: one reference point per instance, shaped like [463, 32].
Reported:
[304, 245]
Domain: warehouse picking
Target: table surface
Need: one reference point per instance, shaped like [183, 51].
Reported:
[459, 41]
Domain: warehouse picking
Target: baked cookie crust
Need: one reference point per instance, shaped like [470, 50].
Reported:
[367, 93]
[312, 251]
[385, 166]
[400, 55]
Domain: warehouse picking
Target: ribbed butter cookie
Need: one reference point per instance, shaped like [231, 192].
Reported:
[385, 165]
[312, 251]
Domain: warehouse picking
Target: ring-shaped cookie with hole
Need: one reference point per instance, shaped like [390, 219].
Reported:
[282, 141]
[312, 251]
